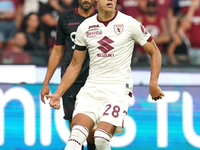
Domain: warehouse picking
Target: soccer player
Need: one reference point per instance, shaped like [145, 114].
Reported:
[64, 47]
[102, 103]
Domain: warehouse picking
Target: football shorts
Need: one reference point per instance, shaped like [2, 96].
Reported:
[104, 102]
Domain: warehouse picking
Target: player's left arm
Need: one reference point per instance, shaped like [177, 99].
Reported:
[154, 52]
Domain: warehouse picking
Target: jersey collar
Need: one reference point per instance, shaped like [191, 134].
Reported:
[107, 22]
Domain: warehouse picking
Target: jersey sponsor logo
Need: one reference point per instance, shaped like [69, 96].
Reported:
[143, 29]
[118, 28]
[93, 26]
[93, 33]
[105, 55]
[73, 23]
[105, 47]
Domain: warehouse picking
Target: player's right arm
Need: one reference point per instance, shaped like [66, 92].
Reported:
[53, 63]
[55, 57]
[68, 78]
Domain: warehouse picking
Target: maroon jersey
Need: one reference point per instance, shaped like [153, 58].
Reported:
[129, 7]
[15, 58]
[66, 31]
[193, 32]
[163, 6]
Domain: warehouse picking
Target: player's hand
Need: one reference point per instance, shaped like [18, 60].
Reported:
[155, 92]
[54, 101]
[45, 91]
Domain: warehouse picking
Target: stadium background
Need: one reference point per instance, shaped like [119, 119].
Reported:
[170, 124]
[27, 124]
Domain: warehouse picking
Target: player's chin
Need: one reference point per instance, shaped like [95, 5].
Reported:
[109, 10]
[86, 7]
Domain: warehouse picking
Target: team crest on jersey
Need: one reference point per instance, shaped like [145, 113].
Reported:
[93, 33]
[118, 28]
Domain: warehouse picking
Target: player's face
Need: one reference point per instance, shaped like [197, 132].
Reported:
[107, 5]
[86, 4]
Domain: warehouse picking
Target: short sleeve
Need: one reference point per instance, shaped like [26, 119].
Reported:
[60, 35]
[80, 39]
[140, 34]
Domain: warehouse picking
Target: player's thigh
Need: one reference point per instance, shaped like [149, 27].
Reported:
[68, 106]
[110, 128]
[83, 119]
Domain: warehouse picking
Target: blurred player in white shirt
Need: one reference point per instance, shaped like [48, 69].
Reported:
[103, 102]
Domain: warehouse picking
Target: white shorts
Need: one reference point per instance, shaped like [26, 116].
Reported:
[104, 102]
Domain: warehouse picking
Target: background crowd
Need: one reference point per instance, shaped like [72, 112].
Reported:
[28, 29]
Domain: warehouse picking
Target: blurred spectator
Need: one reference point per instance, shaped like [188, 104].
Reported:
[34, 34]
[61, 5]
[30, 6]
[179, 47]
[133, 8]
[136, 8]
[44, 1]
[192, 13]
[16, 54]
[19, 12]
[179, 4]
[49, 19]
[155, 24]
[165, 10]
[9, 11]
[49, 14]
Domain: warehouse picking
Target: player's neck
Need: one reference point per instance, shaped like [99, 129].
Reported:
[85, 13]
[106, 16]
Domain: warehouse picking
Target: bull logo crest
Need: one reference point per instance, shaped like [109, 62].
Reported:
[118, 28]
